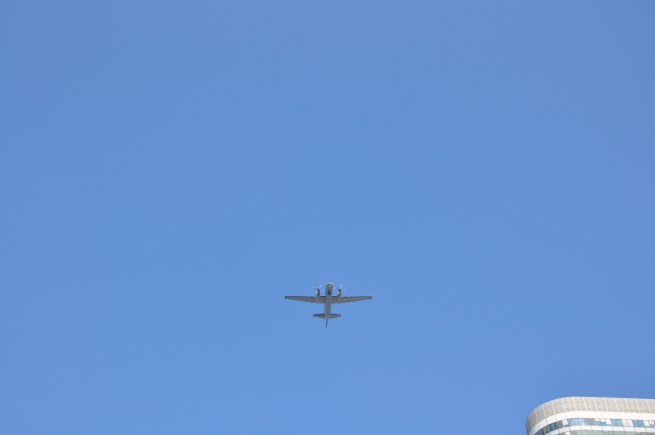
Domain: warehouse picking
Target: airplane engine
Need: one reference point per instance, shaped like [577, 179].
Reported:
[318, 293]
[339, 295]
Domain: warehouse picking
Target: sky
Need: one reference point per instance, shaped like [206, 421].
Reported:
[170, 170]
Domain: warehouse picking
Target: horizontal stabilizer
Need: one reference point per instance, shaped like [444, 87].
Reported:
[322, 316]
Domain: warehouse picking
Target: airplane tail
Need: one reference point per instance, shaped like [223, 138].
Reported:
[322, 316]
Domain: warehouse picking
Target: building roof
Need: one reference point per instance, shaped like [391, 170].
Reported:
[602, 404]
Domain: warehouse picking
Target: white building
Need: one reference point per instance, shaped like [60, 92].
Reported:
[593, 416]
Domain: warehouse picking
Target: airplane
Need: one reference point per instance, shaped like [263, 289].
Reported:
[328, 300]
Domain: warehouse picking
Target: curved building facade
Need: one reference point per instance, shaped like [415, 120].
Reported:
[593, 416]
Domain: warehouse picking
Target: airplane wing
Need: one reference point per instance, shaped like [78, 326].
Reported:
[344, 299]
[312, 299]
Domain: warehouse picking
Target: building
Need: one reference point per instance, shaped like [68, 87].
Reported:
[593, 416]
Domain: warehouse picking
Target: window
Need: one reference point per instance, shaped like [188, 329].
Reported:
[554, 426]
[617, 423]
[638, 423]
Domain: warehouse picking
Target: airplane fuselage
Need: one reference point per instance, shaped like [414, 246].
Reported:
[328, 301]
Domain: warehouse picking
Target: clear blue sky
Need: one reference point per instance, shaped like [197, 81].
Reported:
[170, 170]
